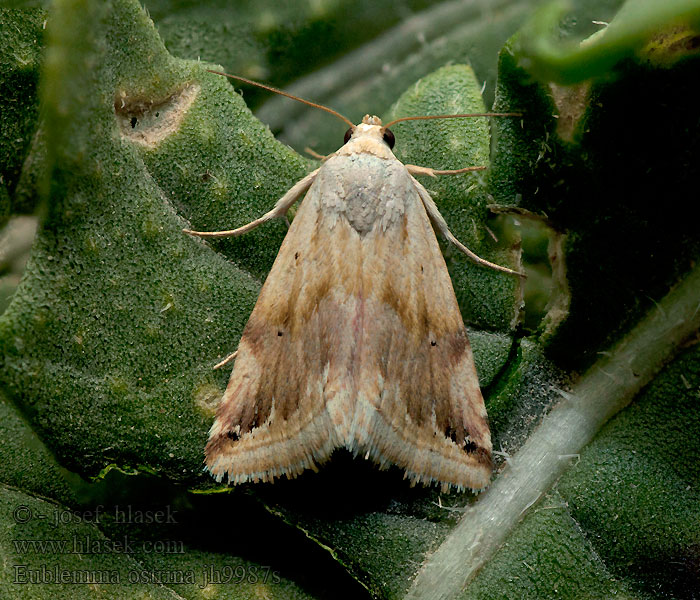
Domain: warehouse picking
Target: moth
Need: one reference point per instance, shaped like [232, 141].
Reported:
[356, 340]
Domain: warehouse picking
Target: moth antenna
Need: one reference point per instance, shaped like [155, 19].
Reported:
[488, 114]
[288, 95]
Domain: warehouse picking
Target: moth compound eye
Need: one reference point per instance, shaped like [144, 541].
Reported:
[348, 135]
[389, 138]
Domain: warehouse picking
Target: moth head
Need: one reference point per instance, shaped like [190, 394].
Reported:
[370, 129]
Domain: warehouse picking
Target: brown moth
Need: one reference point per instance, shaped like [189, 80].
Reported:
[356, 340]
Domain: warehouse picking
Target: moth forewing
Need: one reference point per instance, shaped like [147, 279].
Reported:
[356, 340]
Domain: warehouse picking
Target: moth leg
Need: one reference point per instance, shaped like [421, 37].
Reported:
[280, 210]
[316, 155]
[226, 360]
[518, 211]
[416, 170]
[441, 225]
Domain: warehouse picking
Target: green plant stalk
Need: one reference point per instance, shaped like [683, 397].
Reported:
[604, 390]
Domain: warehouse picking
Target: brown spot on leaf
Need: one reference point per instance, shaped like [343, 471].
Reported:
[668, 46]
[571, 102]
[206, 398]
[148, 121]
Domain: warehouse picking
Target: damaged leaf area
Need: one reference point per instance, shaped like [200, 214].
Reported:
[148, 122]
[109, 341]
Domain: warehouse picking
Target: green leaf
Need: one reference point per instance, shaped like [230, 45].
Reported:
[42, 564]
[20, 59]
[635, 25]
[108, 343]
[52, 551]
[121, 315]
